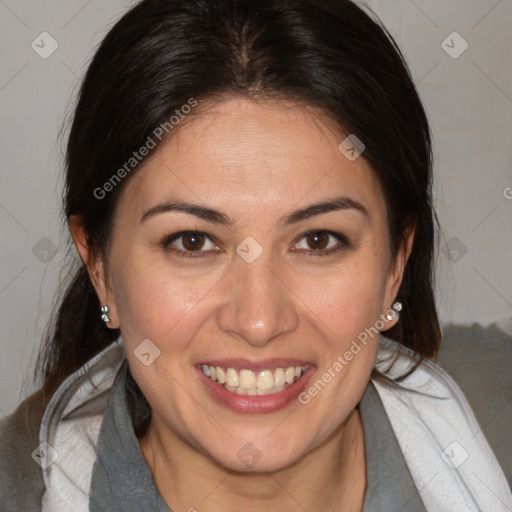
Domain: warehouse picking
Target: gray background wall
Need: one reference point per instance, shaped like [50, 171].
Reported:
[468, 98]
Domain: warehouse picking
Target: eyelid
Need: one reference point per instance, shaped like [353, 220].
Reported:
[169, 239]
[339, 236]
[343, 243]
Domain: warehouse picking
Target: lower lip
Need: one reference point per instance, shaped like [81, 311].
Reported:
[255, 404]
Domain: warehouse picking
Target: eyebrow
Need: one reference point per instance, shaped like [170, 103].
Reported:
[216, 217]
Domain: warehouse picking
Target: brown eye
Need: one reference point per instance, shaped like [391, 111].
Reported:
[323, 243]
[189, 243]
[193, 241]
[318, 240]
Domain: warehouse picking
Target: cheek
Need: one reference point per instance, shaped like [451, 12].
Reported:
[348, 299]
[156, 300]
[348, 307]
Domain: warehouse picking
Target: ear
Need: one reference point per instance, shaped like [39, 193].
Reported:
[396, 273]
[95, 268]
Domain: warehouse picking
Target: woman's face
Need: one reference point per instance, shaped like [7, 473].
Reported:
[264, 283]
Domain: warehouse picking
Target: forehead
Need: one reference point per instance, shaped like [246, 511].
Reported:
[253, 155]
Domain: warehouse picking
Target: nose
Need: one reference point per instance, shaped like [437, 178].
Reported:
[259, 305]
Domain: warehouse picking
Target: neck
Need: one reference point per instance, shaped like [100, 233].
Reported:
[332, 477]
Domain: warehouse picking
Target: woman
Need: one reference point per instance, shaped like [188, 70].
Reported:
[252, 322]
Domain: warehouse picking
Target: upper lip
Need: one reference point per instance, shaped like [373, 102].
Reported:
[263, 364]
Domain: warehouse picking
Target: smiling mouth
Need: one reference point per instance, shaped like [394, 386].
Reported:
[246, 382]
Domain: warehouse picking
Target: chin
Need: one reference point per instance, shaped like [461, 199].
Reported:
[249, 458]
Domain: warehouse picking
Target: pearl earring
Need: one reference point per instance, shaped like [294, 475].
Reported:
[104, 314]
[396, 308]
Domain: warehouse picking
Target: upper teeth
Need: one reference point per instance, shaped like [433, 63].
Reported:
[260, 382]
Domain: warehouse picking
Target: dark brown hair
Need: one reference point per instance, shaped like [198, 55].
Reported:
[330, 54]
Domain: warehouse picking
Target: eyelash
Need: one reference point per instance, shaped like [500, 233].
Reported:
[342, 239]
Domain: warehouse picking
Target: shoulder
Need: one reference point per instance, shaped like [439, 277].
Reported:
[479, 359]
[21, 478]
[440, 430]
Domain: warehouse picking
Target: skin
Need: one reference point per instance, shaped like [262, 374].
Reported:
[255, 162]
